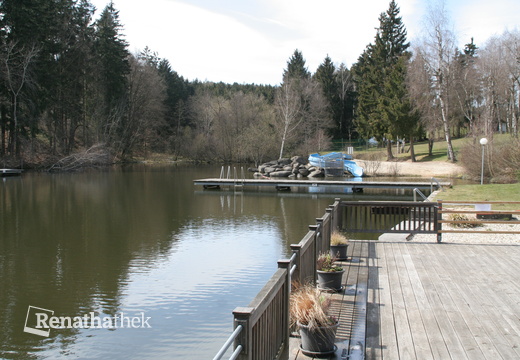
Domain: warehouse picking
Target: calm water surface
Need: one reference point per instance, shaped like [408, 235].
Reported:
[145, 242]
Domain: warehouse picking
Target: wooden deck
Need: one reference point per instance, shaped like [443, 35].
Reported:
[287, 183]
[10, 172]
[406, 300]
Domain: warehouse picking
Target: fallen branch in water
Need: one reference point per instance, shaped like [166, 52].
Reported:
[95, 156]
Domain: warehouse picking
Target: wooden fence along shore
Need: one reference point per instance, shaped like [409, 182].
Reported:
[365, 306]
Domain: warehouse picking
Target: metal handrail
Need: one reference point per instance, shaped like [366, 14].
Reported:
[291, 259]
[432, 180]
[417, 191]
[228, 343]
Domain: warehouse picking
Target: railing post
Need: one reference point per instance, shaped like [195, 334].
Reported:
[286, 264]
[439, 223]
[242, 317]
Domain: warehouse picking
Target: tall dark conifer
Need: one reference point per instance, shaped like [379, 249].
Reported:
[376, 64]
[326, 76]
[113, 67]
[111, 50]
[296, 67]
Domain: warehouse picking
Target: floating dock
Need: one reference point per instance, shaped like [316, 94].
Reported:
[10, 172]
[284, 184]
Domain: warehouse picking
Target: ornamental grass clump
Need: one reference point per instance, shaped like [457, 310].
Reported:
[309, 307]
[337, 238]
[462, 224]
[325, 262]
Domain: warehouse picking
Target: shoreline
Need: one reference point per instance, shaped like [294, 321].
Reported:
[409, 168]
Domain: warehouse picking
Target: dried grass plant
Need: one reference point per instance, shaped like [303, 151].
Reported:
[337, 238]
[309, 307]
[462, 224]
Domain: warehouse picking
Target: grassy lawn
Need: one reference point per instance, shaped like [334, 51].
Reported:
[491, 192]
[439, 153]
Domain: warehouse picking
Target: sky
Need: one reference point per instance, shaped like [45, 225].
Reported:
[250, 41]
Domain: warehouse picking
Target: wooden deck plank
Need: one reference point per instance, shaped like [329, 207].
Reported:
[440, 306]
[359, 320]
[433, 331]
[465, 324]
[400, 311]
[465, 273]
[494, 302]
[492, 291]
[373, 340]
[387, 328]
[411, 286]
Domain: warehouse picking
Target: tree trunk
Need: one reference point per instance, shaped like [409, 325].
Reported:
[447, 134]
[430, 146]
[389, 154]
[412, 151]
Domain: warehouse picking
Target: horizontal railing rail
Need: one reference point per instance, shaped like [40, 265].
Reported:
[484, 215]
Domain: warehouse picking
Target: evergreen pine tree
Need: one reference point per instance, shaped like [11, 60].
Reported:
[112, 53]
[374, 66]
[325, 75]
[346, 99]
[296, 67]
[113, 67]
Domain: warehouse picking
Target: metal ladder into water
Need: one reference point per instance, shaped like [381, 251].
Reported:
[238, 184]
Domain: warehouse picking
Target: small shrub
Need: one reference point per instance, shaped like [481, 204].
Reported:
[501, 159]
[325, 262]
[372, 162]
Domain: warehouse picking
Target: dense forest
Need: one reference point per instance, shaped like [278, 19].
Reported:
[69, 86]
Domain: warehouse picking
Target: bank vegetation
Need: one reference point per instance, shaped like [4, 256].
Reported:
[71, 94]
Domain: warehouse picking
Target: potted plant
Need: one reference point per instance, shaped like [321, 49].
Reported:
[309, 311]
[329, 274]
[338, 245]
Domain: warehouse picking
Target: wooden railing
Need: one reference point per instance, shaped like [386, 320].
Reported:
[261, 330]
[389, 217]
[486, 216]
[265, 323]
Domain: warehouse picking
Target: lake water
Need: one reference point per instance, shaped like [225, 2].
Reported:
[144, 245]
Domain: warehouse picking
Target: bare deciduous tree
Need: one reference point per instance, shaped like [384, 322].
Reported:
[289, 109]
[16, 60]
[146, 96]
[439, 50]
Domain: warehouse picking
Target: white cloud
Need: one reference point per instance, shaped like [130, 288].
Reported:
[249, 41]
[482, 19]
